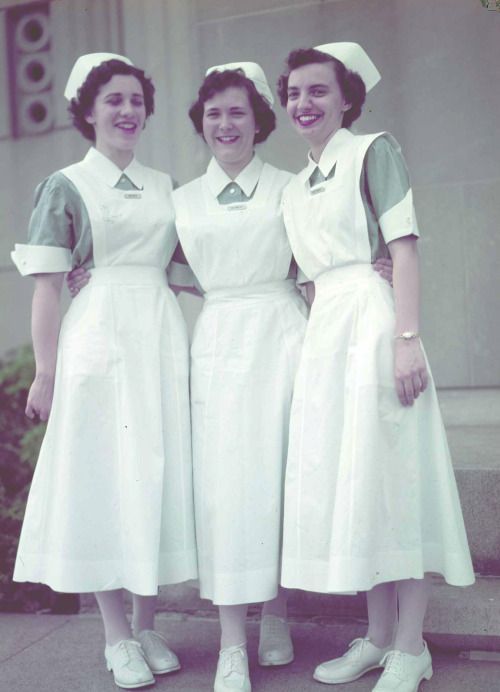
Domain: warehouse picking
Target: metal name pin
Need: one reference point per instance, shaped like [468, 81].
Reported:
[317, 190]
[236, 207]
[133, 195]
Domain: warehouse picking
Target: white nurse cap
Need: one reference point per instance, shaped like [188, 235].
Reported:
[82, 68]
[253, 72]
[355, 58]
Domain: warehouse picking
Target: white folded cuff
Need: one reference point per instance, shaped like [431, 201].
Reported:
[41, 259]
[400, 220]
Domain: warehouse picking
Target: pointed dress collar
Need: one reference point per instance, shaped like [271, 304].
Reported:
[110, 173]
[217, 179]
[328, 157]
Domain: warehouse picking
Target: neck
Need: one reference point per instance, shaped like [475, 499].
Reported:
[234, 169]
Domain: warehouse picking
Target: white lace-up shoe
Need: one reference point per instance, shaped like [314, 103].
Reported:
[160, 658]
[361, 657]
[404, 672]
[232, 670]
[127, 662]
[275, 643]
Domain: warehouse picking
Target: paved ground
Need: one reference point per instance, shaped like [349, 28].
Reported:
[48, 653]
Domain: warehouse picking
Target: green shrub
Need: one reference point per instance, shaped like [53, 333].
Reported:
[20, 441]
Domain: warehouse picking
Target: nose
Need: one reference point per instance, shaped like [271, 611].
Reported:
[225, 122]
[303, 100]
[126, 107]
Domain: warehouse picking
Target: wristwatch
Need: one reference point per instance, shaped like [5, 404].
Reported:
[407, 336]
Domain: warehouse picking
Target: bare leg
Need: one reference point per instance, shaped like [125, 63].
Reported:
[278, 605]
[382, 613]
[233, 625]
[116, 625]
[143, 617]
[413, 597]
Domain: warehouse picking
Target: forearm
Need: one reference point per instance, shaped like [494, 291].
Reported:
[406, 282]
[45, 322]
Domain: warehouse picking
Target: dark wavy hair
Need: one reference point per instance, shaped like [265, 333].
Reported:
[217, 81]
[82, 105]
[351, 85]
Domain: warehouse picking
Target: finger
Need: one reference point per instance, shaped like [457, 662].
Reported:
[408, 388]
[401, 392]
[417, 385]
[424, 376]
[29, 411]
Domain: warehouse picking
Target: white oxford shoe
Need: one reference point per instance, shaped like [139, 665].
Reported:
[159, 657]
[232, 670]
[361, 657]
[404, 672]
[275, 643]
[127, 662]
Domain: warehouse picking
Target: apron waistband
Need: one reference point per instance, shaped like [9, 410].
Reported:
[347, 277]
[128, 274]
[260, 291]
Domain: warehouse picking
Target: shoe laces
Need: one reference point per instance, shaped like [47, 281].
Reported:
[232, 661]
[393, 663]
[355, 648]
[130, 651]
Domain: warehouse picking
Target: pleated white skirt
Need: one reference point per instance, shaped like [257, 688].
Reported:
[370, 493]
[111, 500]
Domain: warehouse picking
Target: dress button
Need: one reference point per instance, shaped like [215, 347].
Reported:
[232, 190]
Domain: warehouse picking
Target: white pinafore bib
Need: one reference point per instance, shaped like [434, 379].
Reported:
[370, 495]
[111, 500]
[243, 360]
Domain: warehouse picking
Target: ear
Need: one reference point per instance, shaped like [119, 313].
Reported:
[346, 107]
[90, 119]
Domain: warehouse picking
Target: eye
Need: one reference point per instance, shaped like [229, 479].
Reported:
[137, 102]
[114, 100]
[292, 95]
[318, 91]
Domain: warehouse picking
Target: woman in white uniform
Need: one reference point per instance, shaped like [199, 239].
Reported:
[370, 502]
[110, 506]
[244, 356]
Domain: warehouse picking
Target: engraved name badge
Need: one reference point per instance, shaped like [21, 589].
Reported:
[132, 195]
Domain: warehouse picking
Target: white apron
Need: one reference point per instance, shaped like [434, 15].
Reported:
[370, 494]
[111, 501]
[243, 360]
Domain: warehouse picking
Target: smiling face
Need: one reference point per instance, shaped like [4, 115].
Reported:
[229, 128]
[118, 118]
[315, 104]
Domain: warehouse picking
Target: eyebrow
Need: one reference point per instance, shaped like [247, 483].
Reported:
[120, 93]
[311, 86]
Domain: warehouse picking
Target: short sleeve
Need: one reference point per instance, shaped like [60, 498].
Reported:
[387, 188]
[59, 235]
[51, 233]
